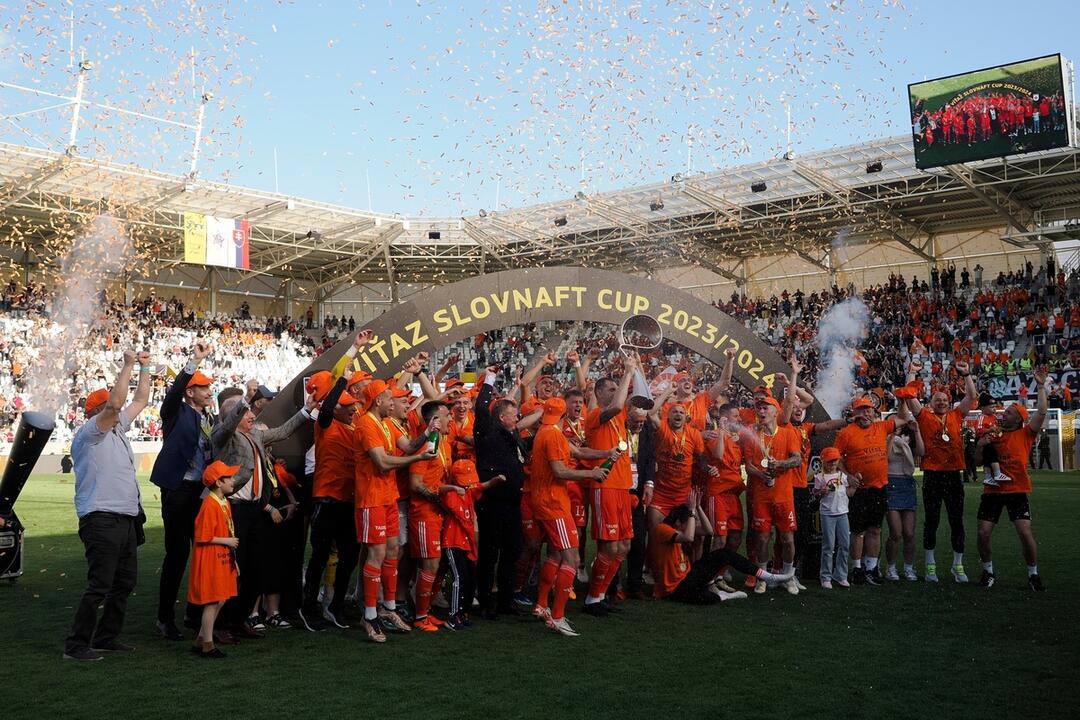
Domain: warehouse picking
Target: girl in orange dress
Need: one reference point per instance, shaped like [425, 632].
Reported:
[212, 580]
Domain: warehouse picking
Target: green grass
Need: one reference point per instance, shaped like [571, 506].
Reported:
[897, 651]
[1041, 76]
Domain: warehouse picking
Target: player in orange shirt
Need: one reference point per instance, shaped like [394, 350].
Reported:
[1018, 435]
[613, 528]
[428, 480]
[376, 507]
[863, 447]
[212, 579]
[333, 520]
[551, 508]
[697, 405]
[943, 467]
[461, 428]
[679, 448]
[772, 456]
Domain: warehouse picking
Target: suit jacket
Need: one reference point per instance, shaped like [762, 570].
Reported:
[646, 458]
[180, 425]
[232, 449]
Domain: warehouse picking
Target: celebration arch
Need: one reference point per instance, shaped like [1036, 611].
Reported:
[446, 314]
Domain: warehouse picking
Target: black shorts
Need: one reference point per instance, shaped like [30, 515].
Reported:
[867, 509]
[991, 504]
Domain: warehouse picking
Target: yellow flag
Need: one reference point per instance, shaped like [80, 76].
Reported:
[195, 238]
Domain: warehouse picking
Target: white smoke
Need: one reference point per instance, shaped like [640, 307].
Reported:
[96, 255]
[840, 332]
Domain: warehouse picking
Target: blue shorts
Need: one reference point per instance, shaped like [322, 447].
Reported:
[900, 493]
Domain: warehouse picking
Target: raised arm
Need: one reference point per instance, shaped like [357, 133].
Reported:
[326, 412]
[481, 412]
[451, 360]
[971, 393]
[580, 377]
[724, 382]
[788, 408]
[342, 365]
[110, 415]
[590, 355]
[142, 390]
[619, 401]
[658, 405]
[174, 398]
[226, 427]
[1039, 417]
[287, 428]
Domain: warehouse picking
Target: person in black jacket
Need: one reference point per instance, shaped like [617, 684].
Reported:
[185, 452]
[499, 451]
[643, 456]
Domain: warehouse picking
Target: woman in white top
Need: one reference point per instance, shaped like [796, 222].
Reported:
[905, 451]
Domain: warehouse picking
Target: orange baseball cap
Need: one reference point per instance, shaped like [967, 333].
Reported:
[768, 401]
[554, 409]
[680, 376]
[863, 402]
[320, 384]
[830, 453]
[96, 399]
[217, 470]
[453, 383]
[398, 392]
[200, 379]
[372, 391]
[464, 472]
[1020, 408]
[345, 400]
[357, 377]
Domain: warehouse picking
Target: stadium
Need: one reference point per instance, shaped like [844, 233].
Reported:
[962, 281]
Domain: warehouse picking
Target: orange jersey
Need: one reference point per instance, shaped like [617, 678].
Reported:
[374, 488]
[675, 457]
[459, 526]
[1014, 449]
[941, 455]
[729, 466]
[549, 498]
[747, 416]
[697, 409]
[667, 560]
[401, 475]
[804, 430]
[335, 462]
[436, 473]
[213, 568]
[984, 423]
[607, 436]
[864, 452]
[780, 446]
[458, 430]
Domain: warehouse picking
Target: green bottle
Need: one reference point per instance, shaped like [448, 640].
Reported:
[432, 441]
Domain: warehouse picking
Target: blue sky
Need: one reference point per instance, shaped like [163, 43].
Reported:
[444, 108]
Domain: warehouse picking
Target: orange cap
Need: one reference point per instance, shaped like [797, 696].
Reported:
[453, 383]
[680, 376]
[217, 470]
[96, 399]
[863, 402]
[464, 472]
[357, 377]
[320, 384]
[768, 401]
[345, 400]
[398, 392]
[554, 409]
[200, 379]
[372, 391]
[1020, 408]
[830, 453]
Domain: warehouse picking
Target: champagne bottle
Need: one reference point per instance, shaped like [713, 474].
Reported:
[609, 462]
[433, 441]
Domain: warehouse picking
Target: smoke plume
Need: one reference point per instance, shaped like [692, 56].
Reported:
[95, 255]
[840, 332]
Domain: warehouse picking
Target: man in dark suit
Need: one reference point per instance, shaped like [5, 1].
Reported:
[643, 456]
[185, 452]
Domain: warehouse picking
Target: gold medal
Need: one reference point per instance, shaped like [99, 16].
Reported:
[944, 437]
[623, 446]
[765, 462]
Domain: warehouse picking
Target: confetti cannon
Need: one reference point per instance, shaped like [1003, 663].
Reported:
[34, 431]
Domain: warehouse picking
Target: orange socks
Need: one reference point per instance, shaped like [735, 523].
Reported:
[425, 582]
[548, 573]
[564, 584]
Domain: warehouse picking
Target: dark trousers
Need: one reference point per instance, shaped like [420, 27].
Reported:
[462, 573]
[332, 523]
[293, 546]
[692, 588]
[500, 545]
[635, 558]
[112, 570]
[804, 520]
[1044, 458]
[179, 508]
[254, 558]
[943, 486]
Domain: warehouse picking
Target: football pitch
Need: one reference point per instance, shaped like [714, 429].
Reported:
[901, 650]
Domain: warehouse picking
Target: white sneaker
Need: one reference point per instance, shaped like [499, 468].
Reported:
[760, 586]
[562, 626]
[582, 574]
[931, 573]
[991, 481]
[541, 613]
[891, 574]
[726, 596]
[792, 586]
[910, 574]
[799, 584]
[826, 584]
[1001, 478]
[958, 574]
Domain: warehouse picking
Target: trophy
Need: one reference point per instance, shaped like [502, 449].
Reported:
[640, 333]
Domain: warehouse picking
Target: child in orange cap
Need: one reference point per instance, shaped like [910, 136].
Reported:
[459, 548]
[834, 487]
[213, 567]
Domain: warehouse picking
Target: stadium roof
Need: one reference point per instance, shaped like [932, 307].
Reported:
[799, 206]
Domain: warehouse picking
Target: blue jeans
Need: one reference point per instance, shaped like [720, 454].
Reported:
[835, 537]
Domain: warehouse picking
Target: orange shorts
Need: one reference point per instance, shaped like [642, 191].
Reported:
[611, 514]
[578, 508]
[561, 533]
[529, 527]
[665, 502]
[425, 537]
[724, 512]
[375, 524]
[764, 515]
